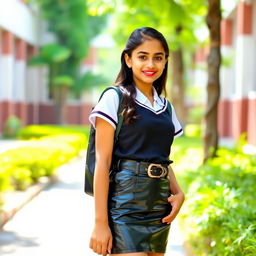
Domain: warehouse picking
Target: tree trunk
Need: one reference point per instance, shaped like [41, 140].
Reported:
[61, 93]
[177, 89]
[213, 20]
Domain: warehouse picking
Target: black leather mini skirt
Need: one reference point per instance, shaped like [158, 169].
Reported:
[137, 205]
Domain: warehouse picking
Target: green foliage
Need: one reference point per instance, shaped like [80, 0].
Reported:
[99, 7]
[196, 114]
[63, 80]
[187, 153]
[54, 53]
[4, 177]
[193, 130]
[11, 127]
[38, 131]
[25, 165]
[73, 29]
[50, 54]
[219, 213]
[4, 182]
[88, 80]
[67, 21]
[167, 17]
[21, 177]
[228, 61]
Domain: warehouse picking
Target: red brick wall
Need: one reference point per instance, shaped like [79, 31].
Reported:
[239, 117]
[225, 118]
[252, 121]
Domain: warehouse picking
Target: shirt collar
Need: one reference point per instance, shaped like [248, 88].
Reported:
[140, 97]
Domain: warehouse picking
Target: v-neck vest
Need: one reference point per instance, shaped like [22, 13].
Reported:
[148, 138]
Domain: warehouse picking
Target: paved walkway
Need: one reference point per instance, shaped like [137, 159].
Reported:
[58, 222]
[10, 144]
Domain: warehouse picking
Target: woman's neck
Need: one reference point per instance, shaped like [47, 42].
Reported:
[147, 90]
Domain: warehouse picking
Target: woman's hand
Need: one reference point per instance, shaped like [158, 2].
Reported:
[176, 201]
[101, 239]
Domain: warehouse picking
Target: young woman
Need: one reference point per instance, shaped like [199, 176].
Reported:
[136, 203]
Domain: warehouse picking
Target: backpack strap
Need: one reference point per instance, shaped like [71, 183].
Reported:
[169, 107]
[120, 116]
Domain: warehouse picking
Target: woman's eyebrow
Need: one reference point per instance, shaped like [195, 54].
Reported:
[157, 53]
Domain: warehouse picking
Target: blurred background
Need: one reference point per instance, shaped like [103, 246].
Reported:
[56, 56]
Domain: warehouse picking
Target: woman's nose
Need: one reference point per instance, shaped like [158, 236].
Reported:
[151, 63]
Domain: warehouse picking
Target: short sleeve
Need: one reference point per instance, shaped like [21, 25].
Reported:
[106, 108]
[178, 128]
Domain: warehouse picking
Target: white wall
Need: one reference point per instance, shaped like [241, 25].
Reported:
[23, 22]
[227, 73]
[19, 19]
[6, 80]
[244, 65]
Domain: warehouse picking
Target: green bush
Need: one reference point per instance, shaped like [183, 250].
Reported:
[12, 127]
[219, 214]
[4, 177]
[37, 131]
[21, 178]
[187, 153]
[193, 130]
[195, 114]
[5, 182]
[26, 164]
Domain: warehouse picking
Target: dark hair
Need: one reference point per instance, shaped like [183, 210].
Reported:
[125, 76]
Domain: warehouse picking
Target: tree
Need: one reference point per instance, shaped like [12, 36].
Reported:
[213, 20]
[73, 29]
[175, 21]
[52, 55]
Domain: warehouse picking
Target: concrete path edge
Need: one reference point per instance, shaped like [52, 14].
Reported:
[25, 196]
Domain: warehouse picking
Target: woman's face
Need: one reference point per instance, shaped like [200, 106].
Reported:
[147, 62]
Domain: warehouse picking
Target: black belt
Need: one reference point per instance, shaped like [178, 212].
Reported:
[153, 170]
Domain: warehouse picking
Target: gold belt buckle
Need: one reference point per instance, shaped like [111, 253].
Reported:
[151, 170]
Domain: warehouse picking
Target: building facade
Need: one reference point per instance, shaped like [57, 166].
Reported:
[237, 106]
[23, 88]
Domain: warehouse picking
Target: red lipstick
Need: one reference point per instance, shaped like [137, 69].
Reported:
[149, 72]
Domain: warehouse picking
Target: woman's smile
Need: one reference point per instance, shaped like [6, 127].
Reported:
[149, 72]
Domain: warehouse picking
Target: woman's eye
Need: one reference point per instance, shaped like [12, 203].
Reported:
[158, 58]
[142, 57]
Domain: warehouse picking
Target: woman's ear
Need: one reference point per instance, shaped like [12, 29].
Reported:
[127, 60]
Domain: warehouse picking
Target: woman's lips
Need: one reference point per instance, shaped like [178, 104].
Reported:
[149, 72]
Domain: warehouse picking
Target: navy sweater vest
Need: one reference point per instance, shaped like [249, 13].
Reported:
[148, 138]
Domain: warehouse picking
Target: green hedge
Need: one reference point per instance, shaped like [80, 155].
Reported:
[37, 131]
[219, 214]
[25, 165]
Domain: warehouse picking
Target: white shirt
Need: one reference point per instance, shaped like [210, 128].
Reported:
[107, 108]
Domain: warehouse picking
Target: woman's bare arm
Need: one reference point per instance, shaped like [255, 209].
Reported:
[101, 240]
[174, 186]
[104, 148]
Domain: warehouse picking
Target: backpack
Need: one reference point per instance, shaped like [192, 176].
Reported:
[90, 155]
